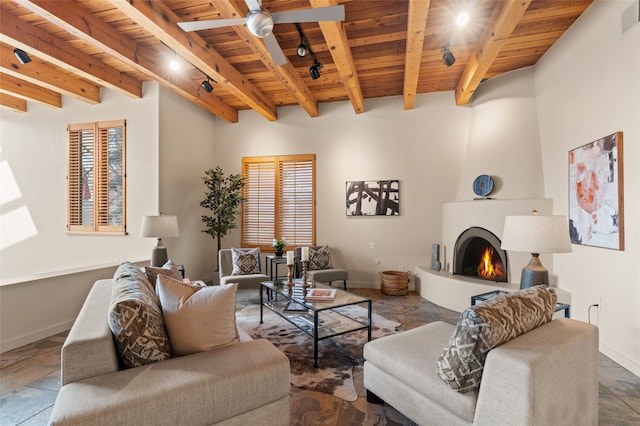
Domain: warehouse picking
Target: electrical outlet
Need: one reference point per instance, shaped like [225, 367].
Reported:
[377, 261]
[372, 245]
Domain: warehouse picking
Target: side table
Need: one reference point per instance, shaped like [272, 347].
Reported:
[491, 294]
[271, 262]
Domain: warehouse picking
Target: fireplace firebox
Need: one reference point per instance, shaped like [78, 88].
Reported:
[477, 254]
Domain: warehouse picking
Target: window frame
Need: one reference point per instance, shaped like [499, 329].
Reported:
[100, 185]
[256, 229]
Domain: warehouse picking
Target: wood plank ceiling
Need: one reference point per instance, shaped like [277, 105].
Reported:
[383, 48]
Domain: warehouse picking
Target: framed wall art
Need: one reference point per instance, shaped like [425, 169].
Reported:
[373, 198]
[596, 193]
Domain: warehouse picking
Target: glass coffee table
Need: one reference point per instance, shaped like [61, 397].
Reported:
[320, 320]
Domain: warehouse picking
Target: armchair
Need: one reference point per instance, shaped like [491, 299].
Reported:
[320, 258]
[252, 279]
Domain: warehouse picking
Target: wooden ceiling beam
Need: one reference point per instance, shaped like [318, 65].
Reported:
[21, 34]
[161, 22]
[338, 43]
[13, 103]
[286, 74]
[27, 90]
[489, 47]
[91, 29]
[416, 24]
[44, 74]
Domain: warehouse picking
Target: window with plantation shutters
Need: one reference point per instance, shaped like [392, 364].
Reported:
[96, 177]
[279, 202]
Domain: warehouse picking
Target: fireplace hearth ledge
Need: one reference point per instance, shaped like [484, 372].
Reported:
[454, 291]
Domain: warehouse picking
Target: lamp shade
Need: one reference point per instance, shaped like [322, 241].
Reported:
[536, 234]
[163, 226]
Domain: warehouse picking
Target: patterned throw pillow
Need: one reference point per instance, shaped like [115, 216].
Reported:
[490, 324]
[245, 261]
[135, 319]
[198, 318]
[169, 269]
[319, 258]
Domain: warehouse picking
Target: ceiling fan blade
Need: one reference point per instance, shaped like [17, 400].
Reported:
[253, 4]
[208, 24]
[329, 13]
[274, 50]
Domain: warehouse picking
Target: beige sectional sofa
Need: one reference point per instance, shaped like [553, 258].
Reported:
[546, 376]
[239, 384]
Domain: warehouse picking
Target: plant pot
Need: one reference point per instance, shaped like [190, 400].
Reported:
[279, 251]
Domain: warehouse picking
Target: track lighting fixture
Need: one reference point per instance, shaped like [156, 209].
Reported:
[206, 85]
[314, 70]
[22, 56]
[302, 50]
[447, 56]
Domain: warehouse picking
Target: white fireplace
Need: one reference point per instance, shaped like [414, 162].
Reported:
[455, 291]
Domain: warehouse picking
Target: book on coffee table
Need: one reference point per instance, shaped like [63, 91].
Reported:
[321, 294]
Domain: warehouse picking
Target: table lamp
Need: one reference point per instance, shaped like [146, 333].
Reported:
[163, 226]
[536, 234]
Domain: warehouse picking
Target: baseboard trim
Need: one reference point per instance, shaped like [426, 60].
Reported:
[25, 339]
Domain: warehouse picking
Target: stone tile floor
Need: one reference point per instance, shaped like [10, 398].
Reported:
[30, 377]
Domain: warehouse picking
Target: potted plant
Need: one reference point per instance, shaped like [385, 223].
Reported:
[223, 197]
[279, 245]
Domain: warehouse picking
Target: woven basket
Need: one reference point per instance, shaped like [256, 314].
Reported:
[394, 283]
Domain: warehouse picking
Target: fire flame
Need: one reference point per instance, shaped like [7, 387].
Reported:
[486, 268]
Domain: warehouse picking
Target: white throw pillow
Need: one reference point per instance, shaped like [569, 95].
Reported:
[245, 261]
[197, 318]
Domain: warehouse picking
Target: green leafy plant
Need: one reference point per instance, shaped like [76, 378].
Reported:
[223, 197]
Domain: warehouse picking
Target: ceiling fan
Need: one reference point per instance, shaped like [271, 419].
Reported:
[260, 23]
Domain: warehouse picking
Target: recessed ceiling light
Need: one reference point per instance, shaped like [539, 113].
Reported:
[462, 18]
[174, 65]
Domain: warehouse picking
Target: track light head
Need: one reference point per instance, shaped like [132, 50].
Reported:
[315, 70]
[22, 56]
[206, 85]
[447, 56]
[302, 50]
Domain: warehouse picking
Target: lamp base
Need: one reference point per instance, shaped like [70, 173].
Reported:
[159, 256]
[534, 273]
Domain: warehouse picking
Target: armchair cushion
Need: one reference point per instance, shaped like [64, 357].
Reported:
[198, 318]
[319, 258]
[135, 319]
[487, 325]
[245, 261]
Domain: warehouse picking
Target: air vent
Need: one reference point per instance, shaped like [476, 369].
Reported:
[630, 17]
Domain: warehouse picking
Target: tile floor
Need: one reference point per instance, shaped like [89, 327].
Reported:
[29, 378]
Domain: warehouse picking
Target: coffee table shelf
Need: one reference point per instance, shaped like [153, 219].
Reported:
[320, 320]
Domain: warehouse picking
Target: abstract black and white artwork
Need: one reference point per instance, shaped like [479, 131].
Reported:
[373, 198]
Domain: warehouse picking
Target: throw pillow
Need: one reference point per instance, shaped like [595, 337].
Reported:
[319, 258]
[135, 319]
[198, 318]
[169, 269]
[490, 324]
[245, 261]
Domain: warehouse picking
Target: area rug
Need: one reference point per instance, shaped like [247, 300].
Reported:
[337, 356]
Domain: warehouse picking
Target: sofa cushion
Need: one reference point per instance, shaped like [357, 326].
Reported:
[319, 258]
[169, 269]
[197, 318]
[490, 324]
[245, 261]
[135, 319]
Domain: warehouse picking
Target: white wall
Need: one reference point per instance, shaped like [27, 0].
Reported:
[587, 87]
[503, 139]
[34, 148]
[423, 148]
[186, 151]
